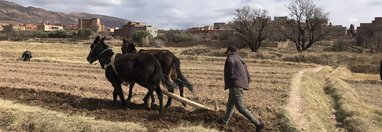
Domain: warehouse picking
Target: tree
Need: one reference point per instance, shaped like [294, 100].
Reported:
[307, 25]
[142, 37]
[85, 33]
[250, 26]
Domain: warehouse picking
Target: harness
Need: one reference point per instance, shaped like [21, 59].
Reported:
[112, 64]
[103, 51]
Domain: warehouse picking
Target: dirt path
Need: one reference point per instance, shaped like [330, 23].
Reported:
[295, 106]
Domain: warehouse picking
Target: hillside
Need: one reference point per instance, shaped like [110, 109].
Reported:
[107, 20]
[14, 13]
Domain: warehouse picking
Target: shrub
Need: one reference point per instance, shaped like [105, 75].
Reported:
[339, 45]
[85, 33]
[179, 36]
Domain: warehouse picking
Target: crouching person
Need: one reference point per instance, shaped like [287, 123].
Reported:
[237, 79]
[27, 55]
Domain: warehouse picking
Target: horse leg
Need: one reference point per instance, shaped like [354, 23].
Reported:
[169, 75]
[146, 98]
[115, 94]
[181, 92]
[152, 99]
[130, 92]
[169, 99]
[118, 91]
[160, 97]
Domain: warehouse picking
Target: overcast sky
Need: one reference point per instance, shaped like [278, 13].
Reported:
[176, 14]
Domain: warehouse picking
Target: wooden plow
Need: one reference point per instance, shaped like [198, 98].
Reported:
[189, 102]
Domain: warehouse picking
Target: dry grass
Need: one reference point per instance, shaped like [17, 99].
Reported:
[356, 62]
[309, 108]
[353, 112]
[317, 105]
[63, 68]
[190, 128]
[18, 117]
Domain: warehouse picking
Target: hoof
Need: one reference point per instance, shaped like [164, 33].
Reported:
[167, 105]
[147, 106]
[184, 104]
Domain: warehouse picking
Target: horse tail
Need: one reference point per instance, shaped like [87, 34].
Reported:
[181, 76]
[165, 82]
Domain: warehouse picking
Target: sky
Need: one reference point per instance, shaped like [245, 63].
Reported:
[181, 14]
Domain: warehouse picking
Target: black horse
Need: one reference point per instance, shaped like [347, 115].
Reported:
[170, 67]
[27, 55]
[143, 69]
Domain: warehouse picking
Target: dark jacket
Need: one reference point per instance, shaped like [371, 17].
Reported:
[236, 72]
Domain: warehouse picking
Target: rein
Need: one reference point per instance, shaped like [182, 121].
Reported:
[103, 51]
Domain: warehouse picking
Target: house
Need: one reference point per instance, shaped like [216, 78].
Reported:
[93, 24]
[46, 27]
[127, 30]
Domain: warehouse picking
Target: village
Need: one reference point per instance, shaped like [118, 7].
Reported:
[206, 66]
[204, 33]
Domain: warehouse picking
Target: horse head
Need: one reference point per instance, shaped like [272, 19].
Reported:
[128, 47]
[97, 48]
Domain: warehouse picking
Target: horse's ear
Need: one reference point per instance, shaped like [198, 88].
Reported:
[103, 39]
[96, 40]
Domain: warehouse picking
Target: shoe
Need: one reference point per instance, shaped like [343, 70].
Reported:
[259, 127]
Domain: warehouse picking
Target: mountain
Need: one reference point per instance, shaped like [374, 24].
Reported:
[13, 13]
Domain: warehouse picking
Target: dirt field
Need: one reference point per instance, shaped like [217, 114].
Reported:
[369, 88]
[59, 79]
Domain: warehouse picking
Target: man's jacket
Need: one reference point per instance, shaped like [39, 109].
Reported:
[236, 72]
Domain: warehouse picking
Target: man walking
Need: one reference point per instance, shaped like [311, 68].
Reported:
[237, 79]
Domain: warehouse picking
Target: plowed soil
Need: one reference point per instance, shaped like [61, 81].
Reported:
[81, 88]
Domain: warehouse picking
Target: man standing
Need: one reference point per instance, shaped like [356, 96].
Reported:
[237, 79]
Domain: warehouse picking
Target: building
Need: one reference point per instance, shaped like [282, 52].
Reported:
[29, 27]
[369, 34]
[351, 31]
[46, 27]
[277, 27]
[335, 31]
[71, 27]
[14, 27]
[93, 24]
[128, 29]
[219, 30]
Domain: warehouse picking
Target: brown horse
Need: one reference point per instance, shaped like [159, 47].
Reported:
[143, 69]
[170, 67]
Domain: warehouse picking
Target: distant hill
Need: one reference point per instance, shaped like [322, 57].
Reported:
[13, 13]
[107, 20]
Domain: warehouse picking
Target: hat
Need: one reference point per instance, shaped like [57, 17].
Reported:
[232, 49]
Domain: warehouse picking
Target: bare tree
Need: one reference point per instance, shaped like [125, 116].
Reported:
[307, 25]
[250, 26]
[376, 41]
